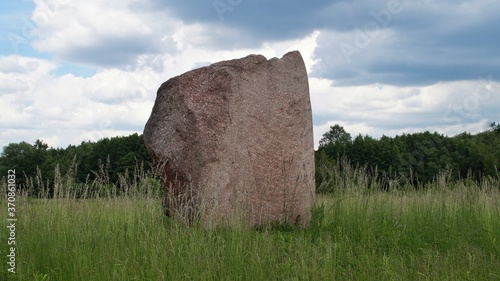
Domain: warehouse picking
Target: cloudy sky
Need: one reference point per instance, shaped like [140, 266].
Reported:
[72, 71]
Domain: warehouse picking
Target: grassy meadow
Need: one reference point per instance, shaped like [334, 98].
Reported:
[445, 231]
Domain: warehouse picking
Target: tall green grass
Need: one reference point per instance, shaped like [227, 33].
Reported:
[448, 231]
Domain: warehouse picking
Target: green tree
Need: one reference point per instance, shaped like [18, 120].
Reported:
[25, 159]
[495, 127]
[336, 135]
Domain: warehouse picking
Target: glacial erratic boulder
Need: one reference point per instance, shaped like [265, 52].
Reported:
[234, 142]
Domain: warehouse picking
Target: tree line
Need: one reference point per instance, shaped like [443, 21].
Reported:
[417, 158]
[108, 157]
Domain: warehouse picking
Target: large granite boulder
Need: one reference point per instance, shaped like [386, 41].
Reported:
[234, 142]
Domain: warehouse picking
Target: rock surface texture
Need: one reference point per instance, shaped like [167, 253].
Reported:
[234, 142]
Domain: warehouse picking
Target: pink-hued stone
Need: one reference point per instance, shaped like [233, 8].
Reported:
[234, 142]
